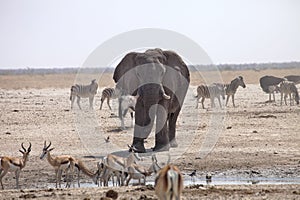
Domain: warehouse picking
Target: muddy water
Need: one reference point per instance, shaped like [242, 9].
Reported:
[214, 181]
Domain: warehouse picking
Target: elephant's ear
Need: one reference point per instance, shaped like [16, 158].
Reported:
[127, 63]
[175, 61]
[124, 75]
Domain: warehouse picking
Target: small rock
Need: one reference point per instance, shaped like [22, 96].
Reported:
[8, 133]
[112, 194]
[28, 196]
[229, 127]
[105, 198]
[254, 131]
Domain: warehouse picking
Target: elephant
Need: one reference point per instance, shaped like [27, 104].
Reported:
[160, 80]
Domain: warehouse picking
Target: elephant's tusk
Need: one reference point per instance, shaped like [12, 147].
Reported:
[166, 96]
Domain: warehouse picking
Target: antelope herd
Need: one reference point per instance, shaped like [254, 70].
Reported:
[124, 169]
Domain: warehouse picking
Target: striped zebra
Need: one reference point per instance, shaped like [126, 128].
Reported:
[109, 93]
[211, 91]
[272, 89]
[289, 88]
[126, 103]
[84, 91]
[232, 87]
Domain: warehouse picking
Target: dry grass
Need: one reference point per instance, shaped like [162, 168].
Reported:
[105, 79]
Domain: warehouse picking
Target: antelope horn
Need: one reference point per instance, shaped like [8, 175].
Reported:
[130, 148]
[29, 148]
[48, 145]
[22, 145]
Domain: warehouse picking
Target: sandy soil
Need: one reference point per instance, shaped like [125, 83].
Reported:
[256, 140]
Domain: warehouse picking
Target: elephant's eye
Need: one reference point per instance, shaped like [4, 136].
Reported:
[160, 59]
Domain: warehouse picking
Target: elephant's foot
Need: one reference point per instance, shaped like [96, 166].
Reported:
[161, 147]
[173, 143]
[138, 145]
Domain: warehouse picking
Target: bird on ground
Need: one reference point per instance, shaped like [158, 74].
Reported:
[208, 178]
[107, 139]
[192, 175]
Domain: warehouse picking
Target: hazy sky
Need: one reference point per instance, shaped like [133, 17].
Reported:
[37, 33]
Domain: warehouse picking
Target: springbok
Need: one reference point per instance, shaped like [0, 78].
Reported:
[60, 164]
[13, 164]
[169, 183]
[79, 165]
[139, 172]
[118, 165]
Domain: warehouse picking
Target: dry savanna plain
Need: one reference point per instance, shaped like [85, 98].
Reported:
[252, 150]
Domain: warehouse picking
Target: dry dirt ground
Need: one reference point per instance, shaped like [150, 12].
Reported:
[253, 142]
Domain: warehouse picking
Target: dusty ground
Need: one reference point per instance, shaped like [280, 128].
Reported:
[255, 140]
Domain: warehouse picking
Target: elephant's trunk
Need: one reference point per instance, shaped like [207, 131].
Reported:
[152, 92]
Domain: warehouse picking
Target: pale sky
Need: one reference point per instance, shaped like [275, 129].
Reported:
[58, 33]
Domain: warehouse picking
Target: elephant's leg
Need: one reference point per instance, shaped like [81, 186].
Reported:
[161, 130]
[172, 128]
[143, 126]
[161, 138]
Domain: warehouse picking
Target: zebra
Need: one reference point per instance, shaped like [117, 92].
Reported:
[232, 87]
[211, 91]
[293, 78]
[109, 93]
[126, 103]
[272, 89]
[289, 88]
[83, 91]
[269, 85]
